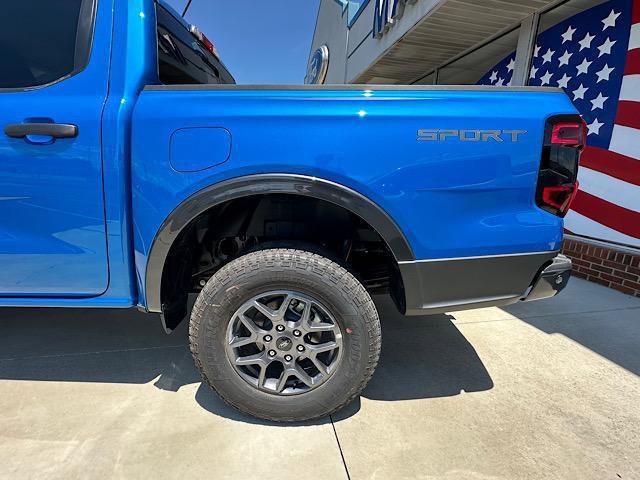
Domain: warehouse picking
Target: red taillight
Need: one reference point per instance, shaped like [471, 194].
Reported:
[560, 197]
[565, 137]
[569, 134]
[208, 44]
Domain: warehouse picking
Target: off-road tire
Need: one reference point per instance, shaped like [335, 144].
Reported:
[304, 272]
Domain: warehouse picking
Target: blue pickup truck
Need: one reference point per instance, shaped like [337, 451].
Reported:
[135, 173]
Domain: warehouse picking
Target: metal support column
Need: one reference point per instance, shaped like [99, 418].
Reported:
[524, 53]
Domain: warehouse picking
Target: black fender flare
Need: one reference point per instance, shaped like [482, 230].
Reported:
[259, 184]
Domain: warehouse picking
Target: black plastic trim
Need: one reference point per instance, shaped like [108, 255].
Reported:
[265, 184]
[350, 87]
[551, 280]
[56, 130]
[446, 285]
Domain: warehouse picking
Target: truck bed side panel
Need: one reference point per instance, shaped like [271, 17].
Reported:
[450, 197]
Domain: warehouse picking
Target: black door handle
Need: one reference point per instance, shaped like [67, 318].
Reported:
[56, 130]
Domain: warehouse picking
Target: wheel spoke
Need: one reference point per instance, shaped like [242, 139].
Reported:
[322, 368]
[266, 311]
[311, 325]
[241, 341]
[282, 381]
[262, 376]
[283, 307]
[322, 347]
[257, 359]
[306, 314]
[321, 327]
[302, 375]
[250, 324]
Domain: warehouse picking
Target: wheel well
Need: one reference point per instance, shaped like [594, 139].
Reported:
[230, 229]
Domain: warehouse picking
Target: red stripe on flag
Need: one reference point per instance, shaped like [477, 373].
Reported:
[628, 114]
[613, 216]
[612, 164]
[635, 16]
[633, 62]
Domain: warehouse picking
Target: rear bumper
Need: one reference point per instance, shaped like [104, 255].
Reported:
[551, 280]
[447, 285]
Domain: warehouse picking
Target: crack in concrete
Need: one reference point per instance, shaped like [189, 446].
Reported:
[97, 352]
[335, 433]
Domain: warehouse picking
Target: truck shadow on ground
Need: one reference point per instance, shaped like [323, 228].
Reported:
[422, 357]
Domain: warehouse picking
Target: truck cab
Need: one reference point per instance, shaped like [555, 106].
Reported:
[134, 172]
[64, 181]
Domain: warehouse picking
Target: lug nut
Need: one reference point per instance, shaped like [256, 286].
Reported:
[297, 333]
[300, 348]
[288, 358]
[267, 338]
[280, 328]
[272, 353]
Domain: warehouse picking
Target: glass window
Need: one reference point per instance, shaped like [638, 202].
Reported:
[43, 41]
[182, 58]
[353, 10]
[490, 64]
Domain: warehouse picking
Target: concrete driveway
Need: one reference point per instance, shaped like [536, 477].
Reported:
[548, 389]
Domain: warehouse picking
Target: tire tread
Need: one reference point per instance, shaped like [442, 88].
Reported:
[280, 260]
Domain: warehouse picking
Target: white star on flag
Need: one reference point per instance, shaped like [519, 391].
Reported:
[598, 102]
[568, 35]
[494, 76]
[610, 21]
[500, 82]
[586, 41]
[605, 48]
[546, 78]
[584, 67]
[564, 59]
[598, 67]
[579, 92]
[604, 73]
[564, 81]
[594, 127]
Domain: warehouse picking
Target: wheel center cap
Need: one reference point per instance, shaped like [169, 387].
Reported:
[284, 344]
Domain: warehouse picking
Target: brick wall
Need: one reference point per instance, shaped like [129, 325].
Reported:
[608, 267]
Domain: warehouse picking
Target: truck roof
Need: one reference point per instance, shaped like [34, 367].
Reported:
[176, 14]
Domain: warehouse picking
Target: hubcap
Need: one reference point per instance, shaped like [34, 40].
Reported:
[283, 342]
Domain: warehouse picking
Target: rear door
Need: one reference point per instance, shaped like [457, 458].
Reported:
[54, 70]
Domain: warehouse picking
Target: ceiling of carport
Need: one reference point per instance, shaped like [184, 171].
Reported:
[451, 28]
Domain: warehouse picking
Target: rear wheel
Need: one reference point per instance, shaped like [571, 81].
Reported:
[285, 335]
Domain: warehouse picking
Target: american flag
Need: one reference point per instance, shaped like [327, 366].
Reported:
[595, 57]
